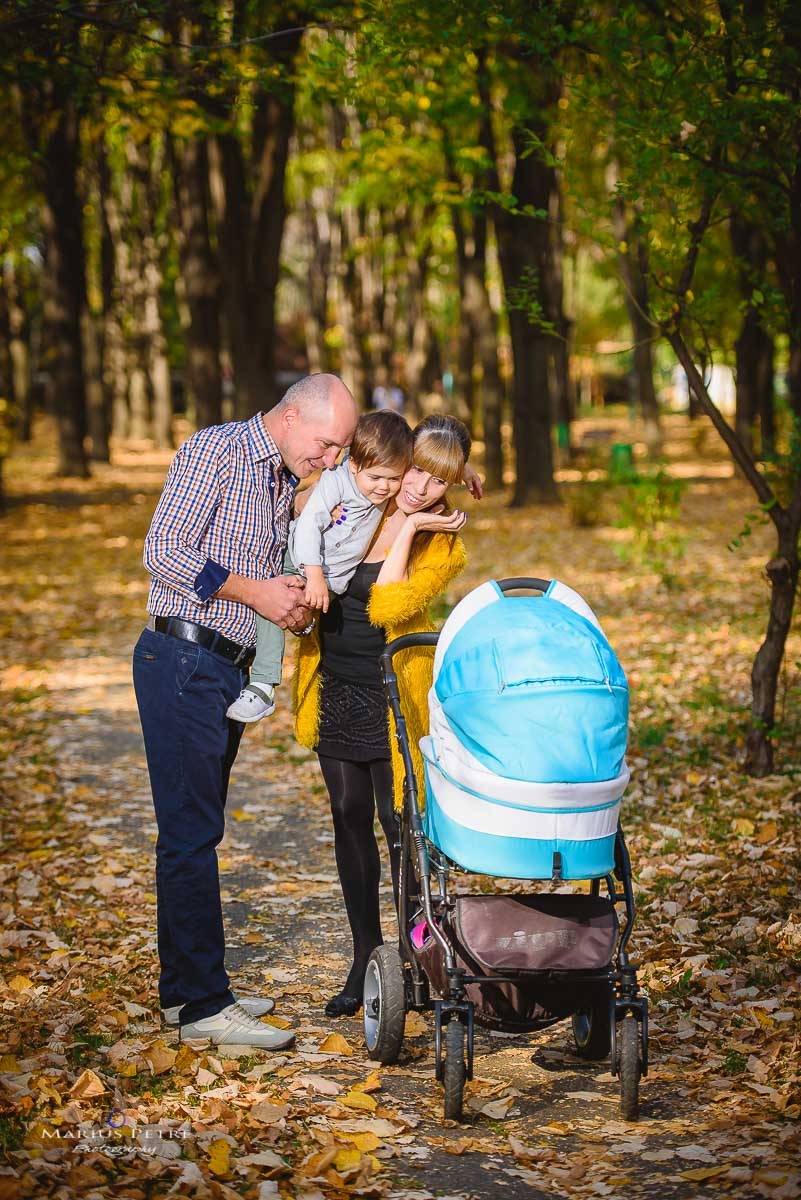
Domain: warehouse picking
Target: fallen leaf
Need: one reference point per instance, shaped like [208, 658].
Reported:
[20, 983]
[268, 1113]
[415, 1025]
[336, 1044]
[219, 1157]
[698, 1174]
[159, 1057]
[355, 1099]
[86, 1085]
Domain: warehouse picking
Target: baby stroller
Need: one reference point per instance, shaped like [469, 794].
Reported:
[524, 770]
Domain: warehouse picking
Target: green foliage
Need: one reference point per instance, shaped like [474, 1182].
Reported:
[735, 1063]
[526, 297]
[649, 508]
[758, 517]
[583, 501]
[12, 1133]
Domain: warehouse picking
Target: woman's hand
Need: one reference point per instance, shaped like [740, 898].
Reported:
[434, 520]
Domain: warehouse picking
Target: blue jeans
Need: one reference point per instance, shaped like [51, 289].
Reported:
[182, 691]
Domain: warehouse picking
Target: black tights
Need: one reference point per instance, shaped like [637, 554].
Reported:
[355, 790]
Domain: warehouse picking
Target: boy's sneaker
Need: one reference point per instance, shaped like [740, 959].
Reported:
[234, 1026]
[257, 1006]
[256, 700]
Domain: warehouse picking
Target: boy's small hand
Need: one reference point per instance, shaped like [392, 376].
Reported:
[317, 597]
[472, 481]
[316, 590]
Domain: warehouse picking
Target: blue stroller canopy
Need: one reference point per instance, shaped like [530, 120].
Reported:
[534, 691]
[526, 753]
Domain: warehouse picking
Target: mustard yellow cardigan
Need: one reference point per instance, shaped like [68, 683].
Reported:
[398, 608]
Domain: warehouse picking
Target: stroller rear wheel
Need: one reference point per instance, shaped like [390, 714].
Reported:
[384, 1005]
[591, 1027]
[453, 1069]
[630, 1067]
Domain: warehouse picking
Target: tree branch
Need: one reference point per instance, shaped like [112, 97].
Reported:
[742, 458]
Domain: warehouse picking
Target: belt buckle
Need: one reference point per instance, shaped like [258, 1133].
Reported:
[242, 655]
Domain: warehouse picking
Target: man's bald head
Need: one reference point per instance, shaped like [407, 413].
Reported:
[313, 422]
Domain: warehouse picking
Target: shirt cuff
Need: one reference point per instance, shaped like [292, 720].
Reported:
[210, 580]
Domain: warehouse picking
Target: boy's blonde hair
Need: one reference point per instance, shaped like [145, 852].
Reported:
[382, 439]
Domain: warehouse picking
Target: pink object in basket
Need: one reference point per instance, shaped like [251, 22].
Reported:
[420, 935]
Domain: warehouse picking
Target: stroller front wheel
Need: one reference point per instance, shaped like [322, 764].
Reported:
[453, 1070]
[630, 1068]
[384, 1005]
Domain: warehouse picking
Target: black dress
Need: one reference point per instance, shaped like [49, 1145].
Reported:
[353, 708]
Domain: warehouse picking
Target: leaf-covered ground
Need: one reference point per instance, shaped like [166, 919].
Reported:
[97, 1101]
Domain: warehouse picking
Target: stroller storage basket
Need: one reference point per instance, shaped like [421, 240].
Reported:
[529, 940]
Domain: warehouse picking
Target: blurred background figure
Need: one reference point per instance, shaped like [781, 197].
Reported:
[385, 394]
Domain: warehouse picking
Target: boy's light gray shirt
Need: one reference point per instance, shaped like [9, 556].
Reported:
[314, 540]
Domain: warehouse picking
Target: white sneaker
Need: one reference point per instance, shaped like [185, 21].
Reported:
[257, 1006]
[256, 700]
[234, 1026]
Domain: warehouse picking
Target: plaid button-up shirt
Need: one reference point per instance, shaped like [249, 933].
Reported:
[225, 507]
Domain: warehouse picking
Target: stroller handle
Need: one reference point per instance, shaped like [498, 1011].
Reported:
[402, 643]
[524, 583]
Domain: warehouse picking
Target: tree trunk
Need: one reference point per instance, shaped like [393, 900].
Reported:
[754, 346]
[354, 357]
[201, 281]
[152, 284]
[18, 349]
[418, 331]
[524, 248]
[65, 286]
[97, 414]
[782, 571]
[317, 223]
[464, 388]
[481, 320]
[114, 275]
[250, 227]
[562, 391]
[534, 482]
[633, 264]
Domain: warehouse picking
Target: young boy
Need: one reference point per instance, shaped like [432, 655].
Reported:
[328, 551]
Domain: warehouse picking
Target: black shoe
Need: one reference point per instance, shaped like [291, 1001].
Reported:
[343, 1005]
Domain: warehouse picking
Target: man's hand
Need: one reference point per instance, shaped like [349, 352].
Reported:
[279, 600]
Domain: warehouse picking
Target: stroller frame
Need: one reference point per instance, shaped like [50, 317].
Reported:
[615, 1020]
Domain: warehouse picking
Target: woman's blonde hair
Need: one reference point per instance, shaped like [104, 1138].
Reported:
[442, 447]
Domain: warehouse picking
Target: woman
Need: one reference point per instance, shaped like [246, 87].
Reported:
[340, 708]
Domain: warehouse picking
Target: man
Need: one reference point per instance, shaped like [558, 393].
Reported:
[214, 551]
